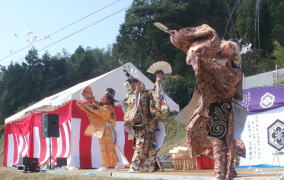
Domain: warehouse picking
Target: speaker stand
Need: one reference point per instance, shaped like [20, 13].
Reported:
[49, 153]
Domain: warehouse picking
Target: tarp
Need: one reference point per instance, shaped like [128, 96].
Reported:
[263, 134]
[23, 136]
[262, 99]
[185, 115]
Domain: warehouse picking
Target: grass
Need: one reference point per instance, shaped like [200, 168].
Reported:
[175, 136]
[1, 151]
[11, 174]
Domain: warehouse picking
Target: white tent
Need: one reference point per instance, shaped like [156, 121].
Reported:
[23, 131]
[114, 79]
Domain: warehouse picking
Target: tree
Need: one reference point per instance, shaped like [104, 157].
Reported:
[179, 89]
[142, 44]
[278, 54]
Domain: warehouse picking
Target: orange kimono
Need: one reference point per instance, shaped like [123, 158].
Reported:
[99, 116]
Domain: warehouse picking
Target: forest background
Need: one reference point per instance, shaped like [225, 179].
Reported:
[139, 42]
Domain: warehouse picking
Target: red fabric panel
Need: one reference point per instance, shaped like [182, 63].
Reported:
[119, 113]
[204, 162]
[5, 148]
[128, 148]
[69, 134]
[54, 150]
[85, 141]
[61, 129]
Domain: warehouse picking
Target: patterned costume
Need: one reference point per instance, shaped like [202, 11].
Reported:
[161, 109]
[144, 125]
[217, 75]
[102, 120]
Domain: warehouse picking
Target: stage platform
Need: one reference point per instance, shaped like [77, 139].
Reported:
[170, 174]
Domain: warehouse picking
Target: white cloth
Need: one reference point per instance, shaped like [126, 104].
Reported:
[160, 135]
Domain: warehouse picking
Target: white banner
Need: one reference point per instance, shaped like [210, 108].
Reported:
[255, 137]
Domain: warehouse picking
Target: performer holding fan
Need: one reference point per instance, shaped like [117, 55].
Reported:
[161, 109]
[141, 121]
[217, 69]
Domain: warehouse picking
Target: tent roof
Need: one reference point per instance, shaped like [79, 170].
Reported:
[114, 79]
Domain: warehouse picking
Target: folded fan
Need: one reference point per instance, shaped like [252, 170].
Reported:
[162, 27]
[160, 65]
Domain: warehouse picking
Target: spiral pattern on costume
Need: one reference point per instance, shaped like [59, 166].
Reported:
[218, 129]
[226, 107]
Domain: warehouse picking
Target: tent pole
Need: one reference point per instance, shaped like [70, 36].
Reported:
[50, 153]
[276, 77]
[178, 133]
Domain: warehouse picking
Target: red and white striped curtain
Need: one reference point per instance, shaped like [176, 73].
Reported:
[24, 139]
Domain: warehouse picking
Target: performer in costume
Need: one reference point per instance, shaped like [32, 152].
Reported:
[161, 109]
[217, 69]
[102, 123]
[138, 117]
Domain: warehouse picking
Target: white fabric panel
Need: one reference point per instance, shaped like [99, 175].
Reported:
[59, 145]
[75, 142]
[120, 141]
[255, 137]
[69, 157]
[10, 155]
[16, 141]
[67, 136]
[160, 135]
[26, 141]
[47, 153]
[96, 153]
[36, 142]
[21, 145]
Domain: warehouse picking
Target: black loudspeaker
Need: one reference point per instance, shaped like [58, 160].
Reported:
[50, 125]
[28, 161]
[28, 164]
[61, 162]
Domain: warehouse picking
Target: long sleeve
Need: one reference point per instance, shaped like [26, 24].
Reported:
[157, 93]
[98, 117]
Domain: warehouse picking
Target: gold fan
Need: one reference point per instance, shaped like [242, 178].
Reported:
[162, 27]
[160, 65]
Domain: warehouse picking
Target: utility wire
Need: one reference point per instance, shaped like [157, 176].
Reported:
[231, 21]
[86, 27]
[256, 21]
[61, 29]
[85, 17]
[232, 12]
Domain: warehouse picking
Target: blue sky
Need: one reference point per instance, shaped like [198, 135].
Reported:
[42, 17]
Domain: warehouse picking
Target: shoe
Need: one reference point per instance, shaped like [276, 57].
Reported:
[102, 169]
[116, 167]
